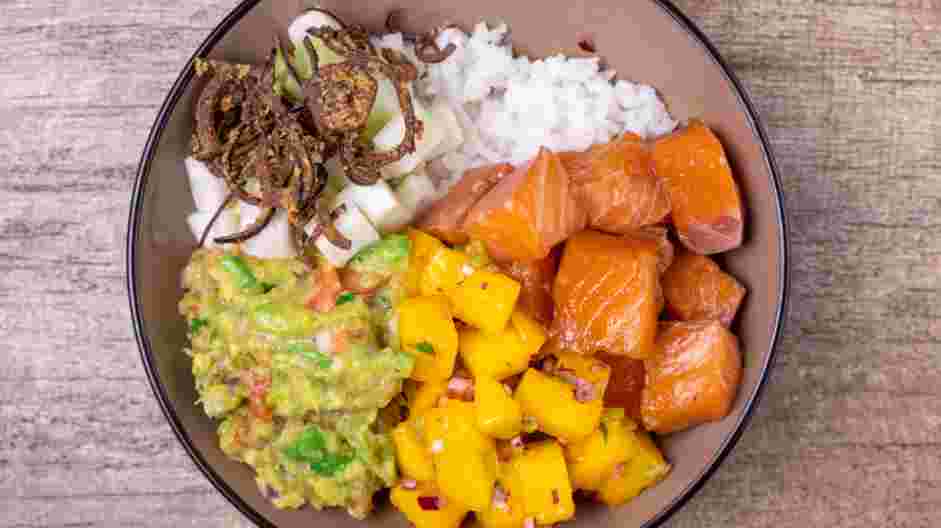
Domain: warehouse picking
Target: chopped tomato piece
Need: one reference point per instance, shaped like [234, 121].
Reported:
[326, 288]
[625, 385]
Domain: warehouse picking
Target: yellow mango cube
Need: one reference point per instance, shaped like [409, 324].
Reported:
[446, 268]
[505, 353]
[485, 300]
[529, 331]
[593, 458]
[551, 402]
[427, 330]
[426, 396]
[465, 460]
[423, 246]
[645, 468]
[542, 477]
[594, 371]
[498, 414]
[508, 512]
[411, 453]
[448, 515]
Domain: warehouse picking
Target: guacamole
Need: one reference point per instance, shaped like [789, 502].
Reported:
[300, 393]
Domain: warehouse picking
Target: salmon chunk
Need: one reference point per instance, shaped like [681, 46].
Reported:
[707, 207]
[616, 183]
[607, 295]
[695, 288]
[528, 212]
[693, 378]
[445, 218]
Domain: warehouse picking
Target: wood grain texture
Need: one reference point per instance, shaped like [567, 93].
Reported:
[847, 434]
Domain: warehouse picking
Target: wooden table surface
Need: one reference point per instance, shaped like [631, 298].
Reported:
[848, 431]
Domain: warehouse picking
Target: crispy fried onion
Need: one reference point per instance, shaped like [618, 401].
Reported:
[270, 152]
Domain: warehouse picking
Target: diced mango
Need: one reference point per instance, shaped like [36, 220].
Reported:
[645, 468]
[591, 370]
[465, 459]
[446, 269]
[529, 331]
[543, 482]
[593, 458]
[426, 396]
[427, 330]
[485, 300]
[448, 515]
[551, 402]
[498, 414]
[504, 354]
[411, 453]
[512, 513]
[423, 246]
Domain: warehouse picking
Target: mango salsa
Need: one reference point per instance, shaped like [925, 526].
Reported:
[427, 330]
[447, 515]
[498, 414]
[445, 270]
[507, 509]
[543, 481]
[645, 468]
[594, 458]
[412, 455]
[502, 354]
[465, 460]
[485, 300]
[552, 403]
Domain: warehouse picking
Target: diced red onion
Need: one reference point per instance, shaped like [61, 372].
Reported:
[437, 446]
[584, 391]
[619, 469]
[429, 503]
[409, 484]
[461, 388]
[499, 498]
[529, 522]
[517, 442]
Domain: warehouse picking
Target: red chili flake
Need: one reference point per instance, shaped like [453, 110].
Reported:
[555, 496]
[484, 286]
[429, 503]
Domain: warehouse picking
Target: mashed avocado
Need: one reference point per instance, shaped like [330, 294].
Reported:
[298, 392]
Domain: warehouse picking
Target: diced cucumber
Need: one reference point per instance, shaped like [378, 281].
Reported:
[391, 135]
[380, 205]
[274, 241]
[312, 19]
[208, 191]
[352, 224]
[226, 224]
[452, 134]
[417, 192]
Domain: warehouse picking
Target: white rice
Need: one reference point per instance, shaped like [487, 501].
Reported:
[511, 106]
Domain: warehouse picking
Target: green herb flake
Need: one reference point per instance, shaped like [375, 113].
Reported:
[425, 347]
[308, 352]
[311, 448]
[345, 298]
[196, 324]
[240, 271]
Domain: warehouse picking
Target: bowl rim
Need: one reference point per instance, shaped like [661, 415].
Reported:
[143, 343]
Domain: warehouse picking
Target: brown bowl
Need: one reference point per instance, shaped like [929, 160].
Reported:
[647, 41]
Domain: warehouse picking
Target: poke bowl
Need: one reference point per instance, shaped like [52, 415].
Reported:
[486, 263]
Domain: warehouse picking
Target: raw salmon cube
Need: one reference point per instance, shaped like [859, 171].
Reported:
[695, 288]
[707, 207]
[625, 385]
[445, 218]
[616, 183]
[607, 295]
[693, 377]
[528, 212]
